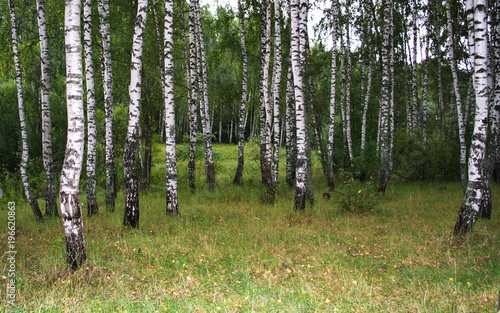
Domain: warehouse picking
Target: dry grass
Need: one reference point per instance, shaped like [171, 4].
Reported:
[228, 252]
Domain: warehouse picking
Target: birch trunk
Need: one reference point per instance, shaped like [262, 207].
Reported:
[275, 88]
[103, 6]
[71, 212]
[300, 122]
[50, 183]
[425, 90]
[131, 214]
[333, 80]
[206, 122]
[385, 99]
[290, 144]
[238, 178]
[171, 162]
[458, 97]
[22, 119]
[92, 206]
[414, 71]
[475, 192]
[193, 98]
[496, 120]
[265, 108]
[347, 108]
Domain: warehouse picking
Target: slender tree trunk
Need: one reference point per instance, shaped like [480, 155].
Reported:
[300, 117]
[333, 80]
[103, 6]
[92, 206]
[347, 103]
[475, 192]
[71, 212]
[275, 89]
[414, 67]
[495, 129]
[290, 145]
[22, 119]
[206, 121]
[131, 215]
[50, 183]
[193, 98]
[238, 178]
[458, 97]
[265, 108]
[425, 90]
[171, 163]
[385, 99]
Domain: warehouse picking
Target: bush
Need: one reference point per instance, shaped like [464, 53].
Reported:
[356, 196]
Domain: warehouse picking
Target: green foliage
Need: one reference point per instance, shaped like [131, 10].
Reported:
[356, 196]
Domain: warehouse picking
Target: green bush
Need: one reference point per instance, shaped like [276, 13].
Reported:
[356, 196]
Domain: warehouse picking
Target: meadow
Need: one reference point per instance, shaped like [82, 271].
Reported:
[229, 252]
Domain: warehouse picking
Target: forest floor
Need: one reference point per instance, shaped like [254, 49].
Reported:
[229, 252]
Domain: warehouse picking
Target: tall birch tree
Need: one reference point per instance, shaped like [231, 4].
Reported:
[103, 7]
[50, 182]
[385, 100]
[193, 97]
[458, 97]
[478, 45]
[244, 88]
[171, 162]
[206, 123]
[275, 88]
[496, 123]
[131, 215]
[23, 167]
[71, 212]
[91, 113]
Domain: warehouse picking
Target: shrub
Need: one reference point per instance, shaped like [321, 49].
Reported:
[356, 196]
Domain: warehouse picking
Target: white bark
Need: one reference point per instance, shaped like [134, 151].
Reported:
[50, 184]
[91, 119]
[71, 212]
[475, 192]
[171, 163]
[193, 98]
[333, 80]
[22, 120]
[131, 216]
[103, 6]
[275, 87]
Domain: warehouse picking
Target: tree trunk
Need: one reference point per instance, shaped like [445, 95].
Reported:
[333, 80]
[475, 192]
[238, 178]
[458, 97]
[495, 129]
[171, 162]
[425, 90]
[265, 108]
[385, 99]
[206, 122]
[92, 206]
[300, 116]
[275, 89]
[22, 120]
[103, 6]
[50, 183]
[347, 86]
[290, 145]
[71, 212]
[193, 98]
[414, 67]
[131, 215]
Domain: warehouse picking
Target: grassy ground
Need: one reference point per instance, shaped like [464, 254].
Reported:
[228, 252]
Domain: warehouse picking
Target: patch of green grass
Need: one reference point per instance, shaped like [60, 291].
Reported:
[229, 252]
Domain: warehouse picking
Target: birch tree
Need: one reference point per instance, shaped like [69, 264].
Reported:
[478, 45]
[91, 119]
[275, 88]
[385, 99]
[265, 109]
[333, 86]
[71, 212]
[290, 144]
[50, 183]
[204, 105]
[300, 116]
[458, 97]
[496, 123]
[131, 216]
[193, 97]
[244, 88]
[171, 162]
[103, 6]
[23, 167]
